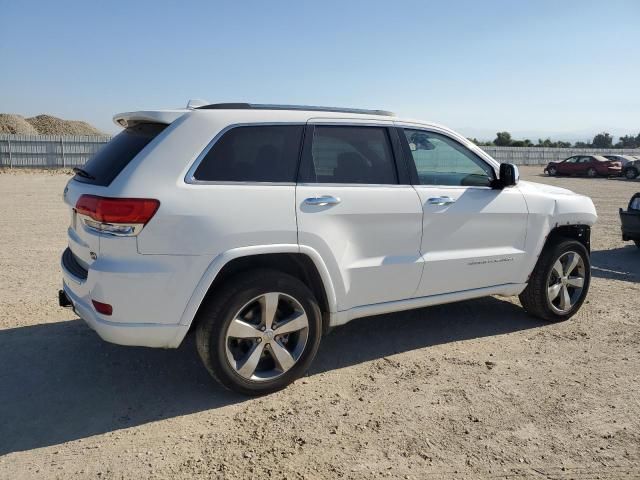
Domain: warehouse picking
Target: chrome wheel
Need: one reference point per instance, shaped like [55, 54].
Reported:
[566, 282]
[267, 336]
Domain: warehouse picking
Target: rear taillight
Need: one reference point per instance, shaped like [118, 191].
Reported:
[117, 216]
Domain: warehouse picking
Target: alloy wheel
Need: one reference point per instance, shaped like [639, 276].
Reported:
[267, 336]
[566, 282]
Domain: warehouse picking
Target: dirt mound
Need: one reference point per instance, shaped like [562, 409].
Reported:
[16, 124]
[50, 125]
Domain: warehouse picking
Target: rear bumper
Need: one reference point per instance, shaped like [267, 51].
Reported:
[131, 303]
[630, 224]
[132, 334]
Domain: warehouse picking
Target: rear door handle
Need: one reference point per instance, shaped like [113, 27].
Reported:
[441, 201]
[322, 201]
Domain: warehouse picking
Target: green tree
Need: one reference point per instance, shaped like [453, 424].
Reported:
[521, 143]
[629, 141]
[503, 139]
[582, 145]
[602, 140]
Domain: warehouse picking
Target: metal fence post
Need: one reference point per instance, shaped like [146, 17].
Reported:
[64, 163]
[10, 156]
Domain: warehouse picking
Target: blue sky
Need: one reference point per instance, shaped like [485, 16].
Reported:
[559, 68]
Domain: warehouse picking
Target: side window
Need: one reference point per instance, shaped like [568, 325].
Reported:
[349, 154]
[440, 160]
[261, 153]
[572, 160]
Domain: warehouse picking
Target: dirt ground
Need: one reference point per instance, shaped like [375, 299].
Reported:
[472, 390]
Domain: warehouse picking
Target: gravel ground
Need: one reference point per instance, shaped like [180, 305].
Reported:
[472, 390]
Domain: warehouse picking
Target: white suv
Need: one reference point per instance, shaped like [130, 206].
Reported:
[262, 226]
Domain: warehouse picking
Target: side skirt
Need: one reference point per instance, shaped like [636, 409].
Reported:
[506, 290]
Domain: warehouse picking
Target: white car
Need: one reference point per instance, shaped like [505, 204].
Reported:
[263, 226]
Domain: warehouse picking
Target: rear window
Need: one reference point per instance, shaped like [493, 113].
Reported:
[102, 168]
[266, 153]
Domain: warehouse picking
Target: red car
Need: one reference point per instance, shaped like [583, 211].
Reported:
[590, 165]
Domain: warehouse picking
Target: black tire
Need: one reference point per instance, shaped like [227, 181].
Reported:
[630, 173]
[592, 172]
[220, 309]
[534, 298]
[637, 242]
[552, 171]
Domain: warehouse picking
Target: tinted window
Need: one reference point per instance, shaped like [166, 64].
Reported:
[351, 155]
[440, 160]
[115, 155]
[266, 153]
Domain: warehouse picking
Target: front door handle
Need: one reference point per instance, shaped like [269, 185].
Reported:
[441, 201]
[322, 201]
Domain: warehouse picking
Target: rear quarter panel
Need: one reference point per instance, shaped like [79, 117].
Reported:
[203, 219]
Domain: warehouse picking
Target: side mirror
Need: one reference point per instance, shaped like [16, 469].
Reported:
[509, 175]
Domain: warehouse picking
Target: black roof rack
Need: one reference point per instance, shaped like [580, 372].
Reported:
[265, 106]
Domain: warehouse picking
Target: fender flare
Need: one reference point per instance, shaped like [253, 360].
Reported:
[218, 263]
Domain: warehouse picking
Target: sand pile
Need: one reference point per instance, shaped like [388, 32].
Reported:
[15, 124]
[44, 125]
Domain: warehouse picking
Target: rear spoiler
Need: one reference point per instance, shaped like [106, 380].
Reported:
[128, 119]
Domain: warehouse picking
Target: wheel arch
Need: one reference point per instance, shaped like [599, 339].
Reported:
[579, 232]
[304, 264]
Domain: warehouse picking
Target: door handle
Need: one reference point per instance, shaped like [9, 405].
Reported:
[322, 201]
[441, 201]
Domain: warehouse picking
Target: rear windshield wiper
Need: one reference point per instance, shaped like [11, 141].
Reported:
[83, 173]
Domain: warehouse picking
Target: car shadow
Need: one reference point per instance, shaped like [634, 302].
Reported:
[617, 264]
[371, 338]
[60, 382]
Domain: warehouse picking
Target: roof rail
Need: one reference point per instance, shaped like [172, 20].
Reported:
[265, 106]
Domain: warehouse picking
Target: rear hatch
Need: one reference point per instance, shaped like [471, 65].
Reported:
[95, 177]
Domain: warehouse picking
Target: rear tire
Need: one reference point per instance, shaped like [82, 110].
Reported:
[592, 172]
[554, 274]
[250, 356]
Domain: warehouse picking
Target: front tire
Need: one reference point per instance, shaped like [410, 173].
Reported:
[552, 171]
[559, 283]
[260, 332]
[631, 173]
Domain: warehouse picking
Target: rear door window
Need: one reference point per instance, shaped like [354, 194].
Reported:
[107, 164]
[350, 154]
[260, 153]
